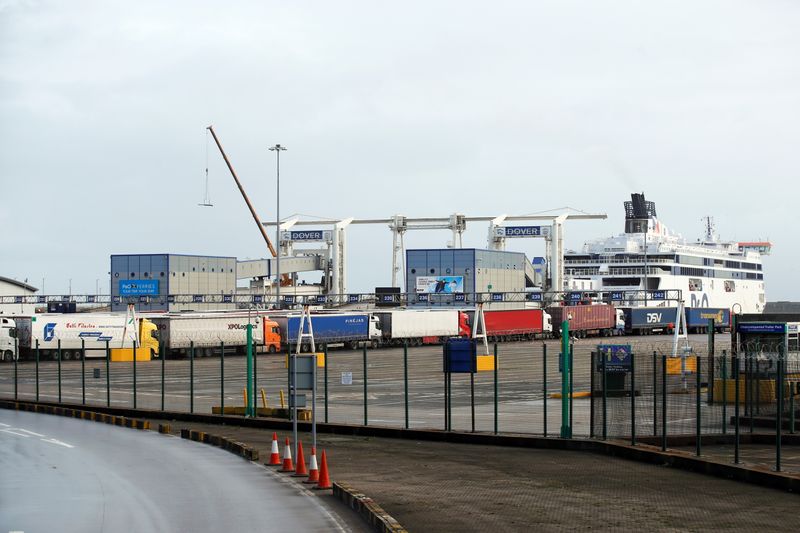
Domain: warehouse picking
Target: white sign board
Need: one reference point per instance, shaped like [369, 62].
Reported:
[347, 378]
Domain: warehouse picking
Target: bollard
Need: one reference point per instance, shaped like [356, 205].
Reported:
[325, 371]
[544, 388]
[83, 372]
[633, 402]
[697, 406]
[59, 370]
[736, 407]
[108, 375]
[366, 418]
[724, 392]
[663, 403]
[191, 376]
[222, 377]
[405, 380]
[37, 370]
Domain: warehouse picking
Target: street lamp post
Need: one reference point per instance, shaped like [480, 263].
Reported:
[278, 149]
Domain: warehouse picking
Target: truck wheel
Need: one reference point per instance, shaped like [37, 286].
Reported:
[8, 356]
[66, 355]
[272, 348]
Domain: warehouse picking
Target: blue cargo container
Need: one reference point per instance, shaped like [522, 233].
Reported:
[644, 320]
[328, 328]
[697, 318]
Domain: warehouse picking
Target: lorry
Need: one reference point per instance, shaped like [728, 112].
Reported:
[206, 333]
[8, 335]
[649, 320]
[588, 320]
[514, 324]
[348, 329]
[420, 327]
[697, 319]
[94, 331]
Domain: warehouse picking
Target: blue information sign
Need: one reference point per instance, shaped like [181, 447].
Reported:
[617, 357]
[90, 299]
[460, 297]
[659, 295]
[387, 297]
[535, 296]
[41, 299]
[171, 298]
[761, 327]
[115, 299]
[227, 298]
[460, 355]
[321, 298]
[143, 299]
[422, 297]
[257, 298]
[17, 299]
[353, 298]
[497, 296]
[288, 299]
[617, 295]
[197, 298]
[138, 287]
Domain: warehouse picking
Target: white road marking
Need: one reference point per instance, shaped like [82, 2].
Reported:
[56, 441]
[29, 432]
[5, 425]
[12, 432]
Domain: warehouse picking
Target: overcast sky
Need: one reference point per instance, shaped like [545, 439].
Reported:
[423, 109]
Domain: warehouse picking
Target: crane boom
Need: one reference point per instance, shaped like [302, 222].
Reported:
[244, 194]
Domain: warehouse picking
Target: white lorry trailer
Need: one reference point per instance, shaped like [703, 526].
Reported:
[205, 332]
[418, 327]
[71, 332]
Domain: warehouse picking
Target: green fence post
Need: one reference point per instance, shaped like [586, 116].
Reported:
[496, 390]
[449, 420]
[163, 371]
[758, 387]
[655, 394]
[592, 362]
[791, 411]
[736, 369]
[724, 392]
[698, 421]
[254, 394]
[191, 373]
[605, 395]
[711, 354]
[83, 371]
[663, 403]
[544, 388]
[752, 400]
[366, 418]
[222, 378]
[779, 414]
[133, 350]
[37, 370]
[633, 401]
[571, 386]
[472, 399]
[325, 350]
[405, 379]
[59, 370]
[248, 388]
[108, 375]
[16, 357]
[564, 356]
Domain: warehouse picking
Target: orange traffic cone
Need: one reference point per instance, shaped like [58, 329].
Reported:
[301, 462]
[288, 466]
[324, 478]
[313, 471]
[274, 456]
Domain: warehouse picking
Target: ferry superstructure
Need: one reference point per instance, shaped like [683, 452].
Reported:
[648, 256]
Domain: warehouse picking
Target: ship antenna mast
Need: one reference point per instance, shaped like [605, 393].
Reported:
[711, 234]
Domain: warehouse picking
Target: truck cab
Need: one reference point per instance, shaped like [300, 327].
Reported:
[375, 331]
[620, 327]
[272, 336]
[8, 334]
[547, 324]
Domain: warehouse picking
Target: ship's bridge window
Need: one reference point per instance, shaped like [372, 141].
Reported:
[695, 284]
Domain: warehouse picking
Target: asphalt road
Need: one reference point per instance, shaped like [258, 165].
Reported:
[526, 380]
[61, 474]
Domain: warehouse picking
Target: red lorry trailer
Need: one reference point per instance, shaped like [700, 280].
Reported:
[514, 324]
[585, 320]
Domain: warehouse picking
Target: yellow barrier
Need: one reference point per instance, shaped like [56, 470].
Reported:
[765, 390]
[274, 412]
[126, 354]
[674, 365]
[485, 363]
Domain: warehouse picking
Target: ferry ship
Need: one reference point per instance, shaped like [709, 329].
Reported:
[649, 257]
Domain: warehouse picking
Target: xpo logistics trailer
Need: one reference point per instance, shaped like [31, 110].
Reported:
[71, 332]
[588, 320]
[207, 333]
